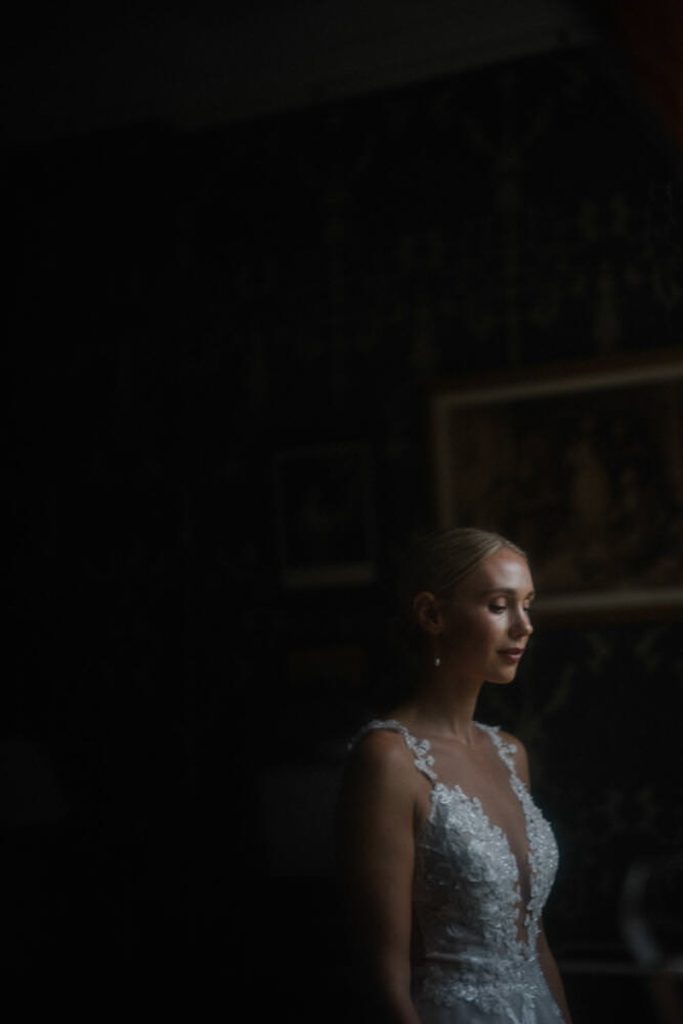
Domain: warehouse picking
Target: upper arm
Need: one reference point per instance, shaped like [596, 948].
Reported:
[376, 847]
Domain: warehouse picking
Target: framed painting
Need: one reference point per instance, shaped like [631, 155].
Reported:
[582, 466]
[325, 515]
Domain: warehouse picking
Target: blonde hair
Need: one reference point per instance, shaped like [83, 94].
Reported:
[439, 559]
[435, 561]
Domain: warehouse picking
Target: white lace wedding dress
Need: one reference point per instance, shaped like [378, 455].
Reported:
[477, 960]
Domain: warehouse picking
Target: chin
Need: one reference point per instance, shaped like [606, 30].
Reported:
[502, 680]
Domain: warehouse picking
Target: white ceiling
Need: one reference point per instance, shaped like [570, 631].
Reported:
[208, 64]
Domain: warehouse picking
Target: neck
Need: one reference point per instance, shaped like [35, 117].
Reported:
[443, 706]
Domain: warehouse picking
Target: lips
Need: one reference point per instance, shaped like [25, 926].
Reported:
[513, 653]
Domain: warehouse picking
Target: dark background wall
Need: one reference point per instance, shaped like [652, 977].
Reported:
[187, 303]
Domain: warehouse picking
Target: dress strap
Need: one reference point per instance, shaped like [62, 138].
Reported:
[423, 760]
[506, 750]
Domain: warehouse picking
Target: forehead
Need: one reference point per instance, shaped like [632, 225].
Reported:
[504, 570]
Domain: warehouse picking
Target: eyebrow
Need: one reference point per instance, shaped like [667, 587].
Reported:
[506, 590]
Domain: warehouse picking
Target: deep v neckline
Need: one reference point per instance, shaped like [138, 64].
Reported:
[516, 786]
[425, 761]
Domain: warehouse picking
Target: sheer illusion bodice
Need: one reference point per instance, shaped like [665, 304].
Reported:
[475, 935]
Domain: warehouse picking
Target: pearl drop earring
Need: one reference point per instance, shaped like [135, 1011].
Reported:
[437, 661]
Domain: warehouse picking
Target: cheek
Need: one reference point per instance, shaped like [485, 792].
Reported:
[475, 629]
[463, 624]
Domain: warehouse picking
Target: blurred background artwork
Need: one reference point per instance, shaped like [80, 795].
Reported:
[245, 238]
[584, 468]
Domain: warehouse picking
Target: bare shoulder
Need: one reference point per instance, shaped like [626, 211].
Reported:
[381, 757]
[520, 756]
[379, 778]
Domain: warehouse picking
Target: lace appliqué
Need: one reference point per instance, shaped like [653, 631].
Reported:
[424, 762]
[467, 899]
[509, 990]
[543, 855]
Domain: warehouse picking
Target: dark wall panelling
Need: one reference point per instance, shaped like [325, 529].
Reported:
[186, 307]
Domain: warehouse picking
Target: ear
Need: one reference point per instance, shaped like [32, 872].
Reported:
[427, 611]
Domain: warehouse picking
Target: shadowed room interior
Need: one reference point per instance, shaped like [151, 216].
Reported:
[249, 246]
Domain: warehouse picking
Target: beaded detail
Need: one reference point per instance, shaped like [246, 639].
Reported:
[478, 942]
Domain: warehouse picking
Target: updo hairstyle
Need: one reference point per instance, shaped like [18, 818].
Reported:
[439, 559]
[435, 561]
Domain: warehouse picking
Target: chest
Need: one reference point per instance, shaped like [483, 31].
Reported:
[480, 791]
[469, 875]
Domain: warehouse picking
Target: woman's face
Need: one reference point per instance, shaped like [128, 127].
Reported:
[485, 623]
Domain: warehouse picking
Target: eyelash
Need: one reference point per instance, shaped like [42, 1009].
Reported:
[500, 608]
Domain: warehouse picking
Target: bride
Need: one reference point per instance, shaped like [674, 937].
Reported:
[446, 861]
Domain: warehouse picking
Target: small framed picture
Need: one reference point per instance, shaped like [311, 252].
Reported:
[325, 515]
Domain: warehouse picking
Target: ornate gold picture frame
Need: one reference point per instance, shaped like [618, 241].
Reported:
[582, 465]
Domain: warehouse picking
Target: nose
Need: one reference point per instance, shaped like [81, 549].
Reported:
[521, 623]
